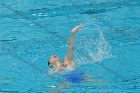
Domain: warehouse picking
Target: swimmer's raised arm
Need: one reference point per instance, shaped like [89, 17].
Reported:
[69, 57]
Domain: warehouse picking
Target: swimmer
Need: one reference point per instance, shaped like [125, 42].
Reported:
[74, 76]
[54, 60]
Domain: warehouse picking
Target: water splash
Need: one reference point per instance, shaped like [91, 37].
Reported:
[94, 49]
[103, 49]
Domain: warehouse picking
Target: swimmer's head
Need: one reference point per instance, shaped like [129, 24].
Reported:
[54, 61]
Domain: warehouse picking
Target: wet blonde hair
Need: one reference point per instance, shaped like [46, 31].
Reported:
[49, 60]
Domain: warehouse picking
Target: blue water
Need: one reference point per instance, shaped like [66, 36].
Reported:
[107, 48]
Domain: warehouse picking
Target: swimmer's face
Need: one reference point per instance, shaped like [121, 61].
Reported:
[54, 61]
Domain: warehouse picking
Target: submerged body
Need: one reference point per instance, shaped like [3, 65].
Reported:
[74, 76]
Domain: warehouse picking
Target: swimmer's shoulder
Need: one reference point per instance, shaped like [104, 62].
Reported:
[69, 62]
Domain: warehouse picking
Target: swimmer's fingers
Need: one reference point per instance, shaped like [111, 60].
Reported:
[88, 75]
[77, 28]
[96, 81]
[89, 78]
[81, 25]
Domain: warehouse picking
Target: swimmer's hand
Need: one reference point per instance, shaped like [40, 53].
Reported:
[77, 28]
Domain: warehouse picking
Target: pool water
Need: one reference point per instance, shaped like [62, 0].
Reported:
[107, 48]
